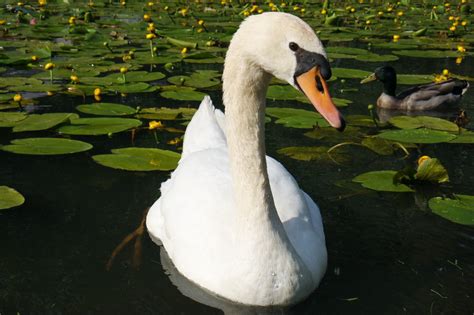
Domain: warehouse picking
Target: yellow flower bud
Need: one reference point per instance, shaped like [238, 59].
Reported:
[155, 124]
[396, 38]
[17, 98]
[123, 70]
[323, 11]
[423, 158]
[184, 50]
[150, 36]
[445, 72]
[97, 91]
[34, 58]
[147, 17]
[452, 28]
[201, 22]
[74, 78]
[49, 66]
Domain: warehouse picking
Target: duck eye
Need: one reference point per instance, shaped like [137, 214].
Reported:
[294, 46]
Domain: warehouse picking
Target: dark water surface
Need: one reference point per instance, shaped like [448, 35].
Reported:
[387, 253]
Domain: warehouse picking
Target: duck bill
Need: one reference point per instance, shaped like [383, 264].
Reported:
[316, 90]
[370, 78]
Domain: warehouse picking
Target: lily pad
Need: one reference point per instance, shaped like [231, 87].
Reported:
[35, 122]
[458, 210]
[414, 122]
[376, 58]
[136, 76]
[194, 80]
[381, 181]
[183, 94]
[318, 153]
[46, 146]
[465, 136]
[139, 159]
[106, 109]
[426, 53]
[350, 73]
[379, 146]
[165, 113]
[10, 119]
[296, 118]
[10, 198]
[99, 126]
[411, 79]
[421, 135]
[129, 87]
[285, 92]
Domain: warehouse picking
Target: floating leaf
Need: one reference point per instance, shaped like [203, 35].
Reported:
[106, 109]
[194, 80]
[411, 79]
[285, 92]
[165, 113]
[432, 170]
[421, 135]
[296, 118]
[35, 122]
[376, 58]
[10, 119]
[414, 122]
[129, 87]
[350, 73]
[135, 76]
[99, 126]
[46, 146]
[347, 50]
[183, 94]
[139, 159]
[381, 181]
[459, 210]
[10, 198]
[426, 53]
[379, 146]
[465, 136]
[312, 153]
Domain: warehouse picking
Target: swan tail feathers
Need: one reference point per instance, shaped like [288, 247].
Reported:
[205, 130]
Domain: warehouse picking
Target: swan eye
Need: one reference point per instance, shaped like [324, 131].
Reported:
[294, 46]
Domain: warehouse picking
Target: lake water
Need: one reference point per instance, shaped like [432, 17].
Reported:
[388, 254]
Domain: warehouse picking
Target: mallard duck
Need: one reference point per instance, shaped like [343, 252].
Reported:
[233, 220]
[423, 97]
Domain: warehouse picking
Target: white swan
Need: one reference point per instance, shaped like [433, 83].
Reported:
[232, 220]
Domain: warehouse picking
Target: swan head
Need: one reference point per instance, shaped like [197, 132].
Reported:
[287, 47]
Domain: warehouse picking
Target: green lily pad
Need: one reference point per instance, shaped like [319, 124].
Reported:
[421, 135]
[379, 146]
[376, 58]
[285, 92]
[129, 87]
[165, 113]
[194, 80]
[106, 109]
[414, 122]
[99, 126]
[35, 122]
[10, 198]
[296, 118]
[381, 181]
[426, 53]
[318, 153]
[350, 73]
[183, 94]
[347, 50]
[139, 159]
[46, 146]
[10, 119]
[136, 76]
[465, 136]
[411, 79]
[432, 170]
[459, 210]
[341, 102]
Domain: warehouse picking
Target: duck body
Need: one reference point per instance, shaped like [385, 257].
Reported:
[431, 96]
[233, 220]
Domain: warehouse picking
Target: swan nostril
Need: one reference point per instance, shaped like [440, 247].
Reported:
[319, 84]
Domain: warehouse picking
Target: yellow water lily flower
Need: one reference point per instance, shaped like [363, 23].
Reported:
[150, 36]
[155, 125]
[49, 66]
[72, 20]
[452, 28]
[445, 72]
[459, 60]
[74, 78]
[184, 50]
[324, 12]
[461, 49]
[34, 58]
[423, 158]
[42, 2]
[175, 141]
[396, 38]
[201, 22]
[17, 98]
[147, 17]
[97, 91]
[123, 70]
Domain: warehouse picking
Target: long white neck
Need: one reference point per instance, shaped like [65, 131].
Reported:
[260, 234]
[245, 87]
